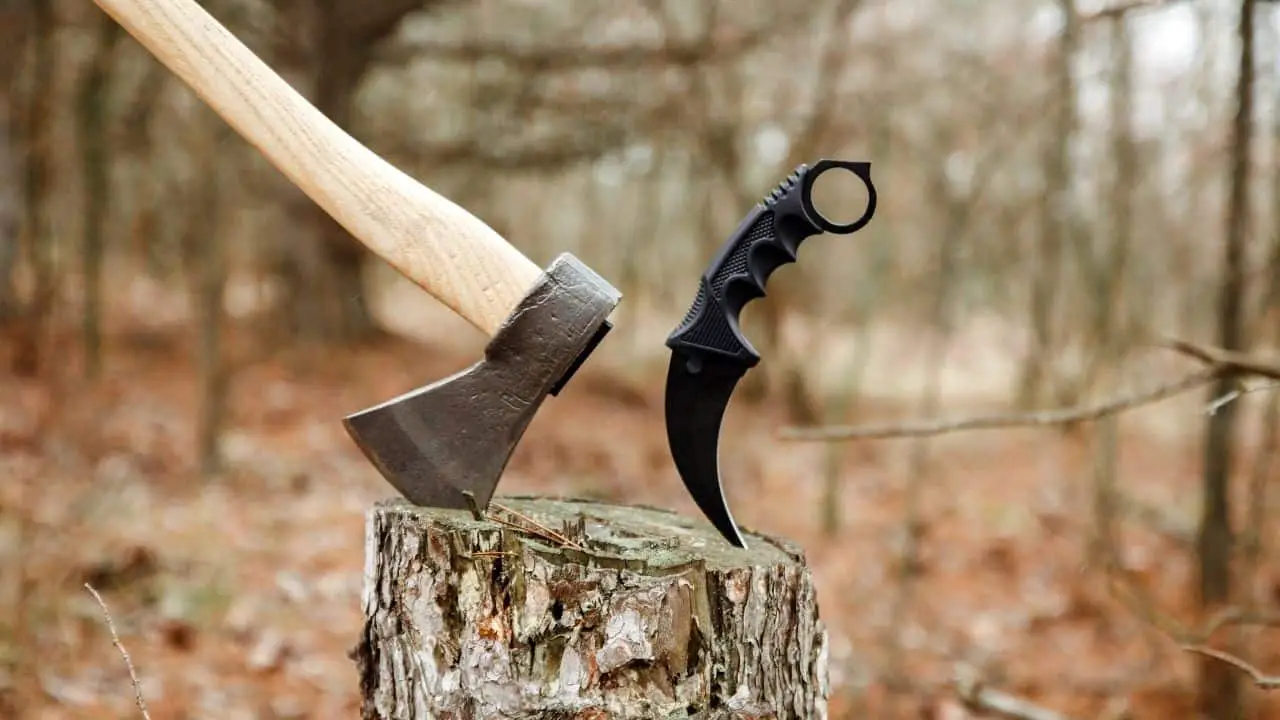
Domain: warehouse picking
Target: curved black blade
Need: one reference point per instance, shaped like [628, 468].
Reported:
[698, 391]
[710, 353]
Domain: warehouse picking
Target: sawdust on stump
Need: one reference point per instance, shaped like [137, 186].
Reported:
[552, 608]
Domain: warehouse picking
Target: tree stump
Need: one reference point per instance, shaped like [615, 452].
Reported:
[554, 608]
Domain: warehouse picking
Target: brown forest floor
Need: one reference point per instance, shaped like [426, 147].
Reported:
[240, 598]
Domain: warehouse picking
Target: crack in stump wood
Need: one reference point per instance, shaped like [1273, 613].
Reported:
[657, 617]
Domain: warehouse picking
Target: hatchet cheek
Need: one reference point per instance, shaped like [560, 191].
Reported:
[455, 436]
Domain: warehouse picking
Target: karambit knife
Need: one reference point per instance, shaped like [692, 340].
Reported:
[709, 353]
[446, 444]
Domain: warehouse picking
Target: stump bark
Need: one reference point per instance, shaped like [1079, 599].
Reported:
[553, 608]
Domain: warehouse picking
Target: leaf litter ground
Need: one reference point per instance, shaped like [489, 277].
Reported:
[240, 597]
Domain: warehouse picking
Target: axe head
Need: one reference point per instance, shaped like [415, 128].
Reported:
[446, 444]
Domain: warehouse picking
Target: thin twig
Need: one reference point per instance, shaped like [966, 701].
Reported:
[537, 527]
[1261, 681]
[1232, 616]
[1234, 395]
[1230, 359]
[519, 527]
[975, 695]
[1216, 359]
[1221, 402]
[1123, 8]
[115, 639]
[992, 422]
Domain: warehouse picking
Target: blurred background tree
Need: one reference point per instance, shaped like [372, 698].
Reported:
[1060, 182]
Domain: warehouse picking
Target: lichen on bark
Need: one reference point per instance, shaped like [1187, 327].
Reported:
[631, 612]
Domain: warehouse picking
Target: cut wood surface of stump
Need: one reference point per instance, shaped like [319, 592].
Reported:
[554, 608]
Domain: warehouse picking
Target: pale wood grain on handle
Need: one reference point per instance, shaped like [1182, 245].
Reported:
[446, 250]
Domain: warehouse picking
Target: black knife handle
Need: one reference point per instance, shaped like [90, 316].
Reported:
[768, 238]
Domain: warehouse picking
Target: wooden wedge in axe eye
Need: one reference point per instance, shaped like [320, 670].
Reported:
[447, 444]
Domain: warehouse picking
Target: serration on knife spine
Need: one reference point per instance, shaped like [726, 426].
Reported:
[785, 186]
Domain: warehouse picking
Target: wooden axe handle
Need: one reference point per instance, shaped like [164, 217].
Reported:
[446, 250]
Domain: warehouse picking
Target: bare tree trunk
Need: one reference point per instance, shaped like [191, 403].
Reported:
[94, 148]
[13, 29]
[909, 563]
[324, 277]
[135, 141]
[342, 65]
[1270, 307]
[37, 140]
[803, 407]
[1108, 266]
[1110, 312]
[10, 222]
[1047, 278]
[9, 215]
[592, 611]
[865, 302]
[1193, 316]
[840, 409]
[206, 260]
[1253, 540]
[1107, 275]
[1219, 689]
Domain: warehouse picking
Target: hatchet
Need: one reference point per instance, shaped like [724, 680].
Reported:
[446, 444]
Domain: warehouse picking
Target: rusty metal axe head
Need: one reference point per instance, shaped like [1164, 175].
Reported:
[452, 439]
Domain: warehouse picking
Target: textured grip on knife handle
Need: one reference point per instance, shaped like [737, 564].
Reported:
[767, 238]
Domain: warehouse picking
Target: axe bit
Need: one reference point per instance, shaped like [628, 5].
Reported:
[709, 353]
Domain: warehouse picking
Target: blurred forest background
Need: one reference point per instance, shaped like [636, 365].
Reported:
[1078, 225]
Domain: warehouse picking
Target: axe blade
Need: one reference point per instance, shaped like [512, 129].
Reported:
[454, 437]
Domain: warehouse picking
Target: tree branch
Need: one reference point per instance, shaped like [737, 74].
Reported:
[115, 640]
[976, 696]
[1260, 680]
[561, 57]
[1217, 360]
[1246, 363]
[992, 422]
[1123, 8]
